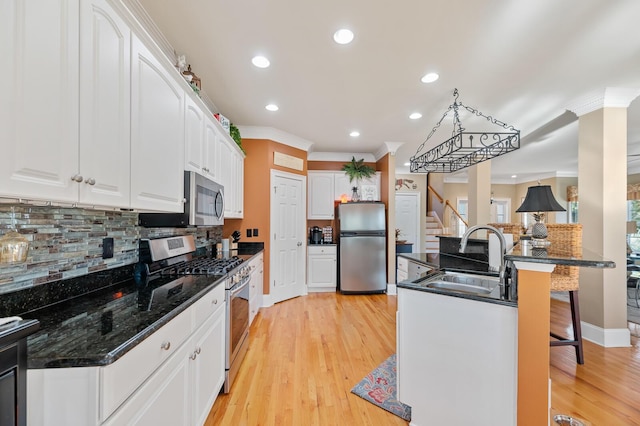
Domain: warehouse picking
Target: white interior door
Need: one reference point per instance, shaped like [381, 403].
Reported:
[288, 239]
[408, 218]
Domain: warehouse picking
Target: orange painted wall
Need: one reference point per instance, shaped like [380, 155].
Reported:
[257, 176]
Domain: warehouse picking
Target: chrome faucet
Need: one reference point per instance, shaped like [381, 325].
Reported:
[503, 249]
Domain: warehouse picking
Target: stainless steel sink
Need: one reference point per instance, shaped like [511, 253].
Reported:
[464, 288]
[481, 285]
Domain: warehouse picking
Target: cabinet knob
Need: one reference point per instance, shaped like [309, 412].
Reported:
[165, 345]
[77, 178]
[214, 301]
[90, 181]
[299, 243]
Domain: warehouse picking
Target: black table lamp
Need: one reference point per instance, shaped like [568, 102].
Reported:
[539, 200]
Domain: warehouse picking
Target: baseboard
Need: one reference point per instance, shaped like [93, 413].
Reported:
[321, 289]
[608, 338]
[392, 289]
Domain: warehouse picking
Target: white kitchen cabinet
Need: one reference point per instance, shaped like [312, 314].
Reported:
[255, 289]
[231, 166]
[105, 76]
[211, 150]
[39, 103]
[402, 271]
[322, 268]
[455, 352]
[193, 136]
[320, 199]
[172, 377]
[157, 134]
[369, 188]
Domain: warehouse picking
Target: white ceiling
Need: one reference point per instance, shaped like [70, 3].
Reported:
[520, 61]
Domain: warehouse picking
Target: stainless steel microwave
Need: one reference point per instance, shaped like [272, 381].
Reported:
[204, 205]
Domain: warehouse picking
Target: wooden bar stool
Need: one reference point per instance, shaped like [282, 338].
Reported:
[566, 278]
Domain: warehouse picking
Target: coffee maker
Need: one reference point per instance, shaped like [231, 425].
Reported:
[315, 235]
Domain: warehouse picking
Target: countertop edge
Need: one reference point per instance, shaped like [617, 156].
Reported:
[441, 292]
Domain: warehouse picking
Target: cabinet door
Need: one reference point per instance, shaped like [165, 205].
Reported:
[164, 399]
[207, 365]
[193, 136]
[105, 76]
[342, 186]
[255, 289]
[321, 195]
[322, 271]
[239, 185]
[157, 134]
[211, 136]
[226, 175]
[39, 103]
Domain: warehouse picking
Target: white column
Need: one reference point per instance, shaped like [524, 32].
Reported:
[479, 189]
[602, 178]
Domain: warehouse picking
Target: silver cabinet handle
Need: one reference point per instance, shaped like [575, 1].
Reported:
[77, 178]
[165, 345]
[90, 181]
[193, 356]
[214, 301]
[299, 243]
[198, 350]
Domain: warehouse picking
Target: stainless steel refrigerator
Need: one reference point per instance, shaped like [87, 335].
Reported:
[362, 247]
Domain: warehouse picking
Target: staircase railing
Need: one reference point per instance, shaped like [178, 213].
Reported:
[446, 204]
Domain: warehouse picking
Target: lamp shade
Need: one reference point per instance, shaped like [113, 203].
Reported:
[540, 199]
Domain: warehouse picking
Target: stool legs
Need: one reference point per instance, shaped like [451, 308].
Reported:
[577, 329]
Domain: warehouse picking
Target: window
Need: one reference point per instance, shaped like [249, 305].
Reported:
[572, 211]
[633, 215]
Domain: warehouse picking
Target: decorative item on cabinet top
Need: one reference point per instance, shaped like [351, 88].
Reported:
[192, 79]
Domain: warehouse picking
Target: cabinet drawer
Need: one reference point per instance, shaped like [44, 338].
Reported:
[403, 264]
[320, 249]
[120, 379]
[401, 276]
[208, 304]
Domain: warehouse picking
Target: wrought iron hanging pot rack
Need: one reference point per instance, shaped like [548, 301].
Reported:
[464, 149]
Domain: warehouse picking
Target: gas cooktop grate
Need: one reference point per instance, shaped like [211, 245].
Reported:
[205, 266]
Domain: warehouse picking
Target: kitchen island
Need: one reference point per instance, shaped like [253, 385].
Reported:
[495, 346]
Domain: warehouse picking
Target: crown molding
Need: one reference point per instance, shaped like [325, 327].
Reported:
[611, 97]
[276, 135]
[387, 148]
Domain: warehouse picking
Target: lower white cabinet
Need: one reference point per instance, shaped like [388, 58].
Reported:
[183, 390]
[322, 267]
[173, 377]
[402, 272]
[255, 289]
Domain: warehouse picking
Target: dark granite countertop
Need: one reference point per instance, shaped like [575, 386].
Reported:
[524, 251]
[89, 321]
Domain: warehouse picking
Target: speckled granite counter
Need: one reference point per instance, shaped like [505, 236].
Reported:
[524, 251]
[95, 319]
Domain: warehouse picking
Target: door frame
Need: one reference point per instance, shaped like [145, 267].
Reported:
[419, 236]
[268, 299]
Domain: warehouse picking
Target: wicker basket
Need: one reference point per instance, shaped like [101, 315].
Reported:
[566, 237]
[514, 229]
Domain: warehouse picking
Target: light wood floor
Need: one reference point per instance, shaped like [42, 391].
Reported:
[307, 353]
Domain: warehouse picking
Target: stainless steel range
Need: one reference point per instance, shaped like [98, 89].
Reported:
[175, 256]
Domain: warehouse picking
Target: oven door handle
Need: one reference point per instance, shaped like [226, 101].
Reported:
[238, 288]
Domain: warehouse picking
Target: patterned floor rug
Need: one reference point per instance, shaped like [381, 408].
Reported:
[379, 388]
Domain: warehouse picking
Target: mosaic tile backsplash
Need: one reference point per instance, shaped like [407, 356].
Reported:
[67, 242]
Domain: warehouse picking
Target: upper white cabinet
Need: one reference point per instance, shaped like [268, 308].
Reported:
[193, 136]
[157, 134]
[230, 164]
[39, 102]
[326, 187]
[210, 148]
[321, 195]
[105, 87]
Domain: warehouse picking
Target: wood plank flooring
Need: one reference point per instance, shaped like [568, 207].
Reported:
[307, 353]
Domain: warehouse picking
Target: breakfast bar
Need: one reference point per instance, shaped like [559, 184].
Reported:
[516, 325]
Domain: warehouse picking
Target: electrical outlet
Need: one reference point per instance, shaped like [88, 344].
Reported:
[255, 232]
[107, 248]
[248, 233]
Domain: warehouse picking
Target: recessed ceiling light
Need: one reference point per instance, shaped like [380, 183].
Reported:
[407, 164]
[272, 107]
[415, 115]
[514, 176]
[343, 36]
[354, 134]
[430, 78]
[260, 61]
